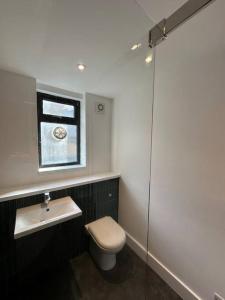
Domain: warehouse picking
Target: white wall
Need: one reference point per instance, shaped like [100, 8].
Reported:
[187, 216]
[18, 121]
[131, 143]
[99, 129]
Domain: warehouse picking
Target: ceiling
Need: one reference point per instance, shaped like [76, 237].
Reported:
[159, 9]
[46, 39]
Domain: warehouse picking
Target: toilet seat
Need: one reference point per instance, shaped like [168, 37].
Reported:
[107, 234]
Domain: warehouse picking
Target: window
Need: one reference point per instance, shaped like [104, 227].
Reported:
[58, 131]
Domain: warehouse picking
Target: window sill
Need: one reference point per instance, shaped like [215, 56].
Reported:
[51, 169]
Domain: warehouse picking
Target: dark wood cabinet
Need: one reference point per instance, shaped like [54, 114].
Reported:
[21, 258]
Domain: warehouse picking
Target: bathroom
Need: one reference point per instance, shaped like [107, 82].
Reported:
[112, 163]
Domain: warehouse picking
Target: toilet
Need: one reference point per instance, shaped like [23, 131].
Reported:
[107, 239]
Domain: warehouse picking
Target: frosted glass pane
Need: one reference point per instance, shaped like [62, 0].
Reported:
[58, 109]
[55, 148]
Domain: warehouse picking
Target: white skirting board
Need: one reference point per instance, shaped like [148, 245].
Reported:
[169, 277]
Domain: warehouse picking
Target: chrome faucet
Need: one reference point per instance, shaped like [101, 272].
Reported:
[47, 198]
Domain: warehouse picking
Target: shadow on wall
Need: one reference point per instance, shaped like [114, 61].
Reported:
[133, 215]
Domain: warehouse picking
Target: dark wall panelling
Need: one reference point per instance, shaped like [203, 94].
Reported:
[20, 258]
[7, 245]
[83, 196]
[27, 201]
[105, 195]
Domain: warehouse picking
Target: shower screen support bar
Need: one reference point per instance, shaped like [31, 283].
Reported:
[160, 31]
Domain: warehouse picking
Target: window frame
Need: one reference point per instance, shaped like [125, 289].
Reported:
[60, 120]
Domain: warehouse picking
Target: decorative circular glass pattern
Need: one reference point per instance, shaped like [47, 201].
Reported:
[59, 133]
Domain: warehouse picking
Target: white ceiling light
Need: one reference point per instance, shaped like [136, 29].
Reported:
[81, 67]
[148, 59]
[136, 46]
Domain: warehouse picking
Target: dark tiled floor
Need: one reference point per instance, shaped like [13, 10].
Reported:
[131, 279]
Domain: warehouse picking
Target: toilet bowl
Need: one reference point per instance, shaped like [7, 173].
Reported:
[107, 239]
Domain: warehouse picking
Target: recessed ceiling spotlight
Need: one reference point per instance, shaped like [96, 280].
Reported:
[136, 46]
[81, 67]
[148, 59]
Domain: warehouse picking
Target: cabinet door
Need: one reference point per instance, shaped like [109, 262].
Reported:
[39, 251]
[105, 196]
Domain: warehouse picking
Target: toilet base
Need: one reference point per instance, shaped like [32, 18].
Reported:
[105, 261]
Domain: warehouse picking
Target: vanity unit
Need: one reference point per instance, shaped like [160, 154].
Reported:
[21, 254]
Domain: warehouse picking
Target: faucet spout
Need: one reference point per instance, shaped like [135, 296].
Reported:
[47, 198]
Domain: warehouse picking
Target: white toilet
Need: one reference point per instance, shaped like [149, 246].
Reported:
[107, 239]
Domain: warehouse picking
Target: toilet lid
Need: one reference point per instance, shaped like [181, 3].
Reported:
[107, 233]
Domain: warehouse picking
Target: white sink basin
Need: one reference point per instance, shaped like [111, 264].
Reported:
[34, 218]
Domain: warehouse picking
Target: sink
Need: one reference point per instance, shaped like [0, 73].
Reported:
[34, 218]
